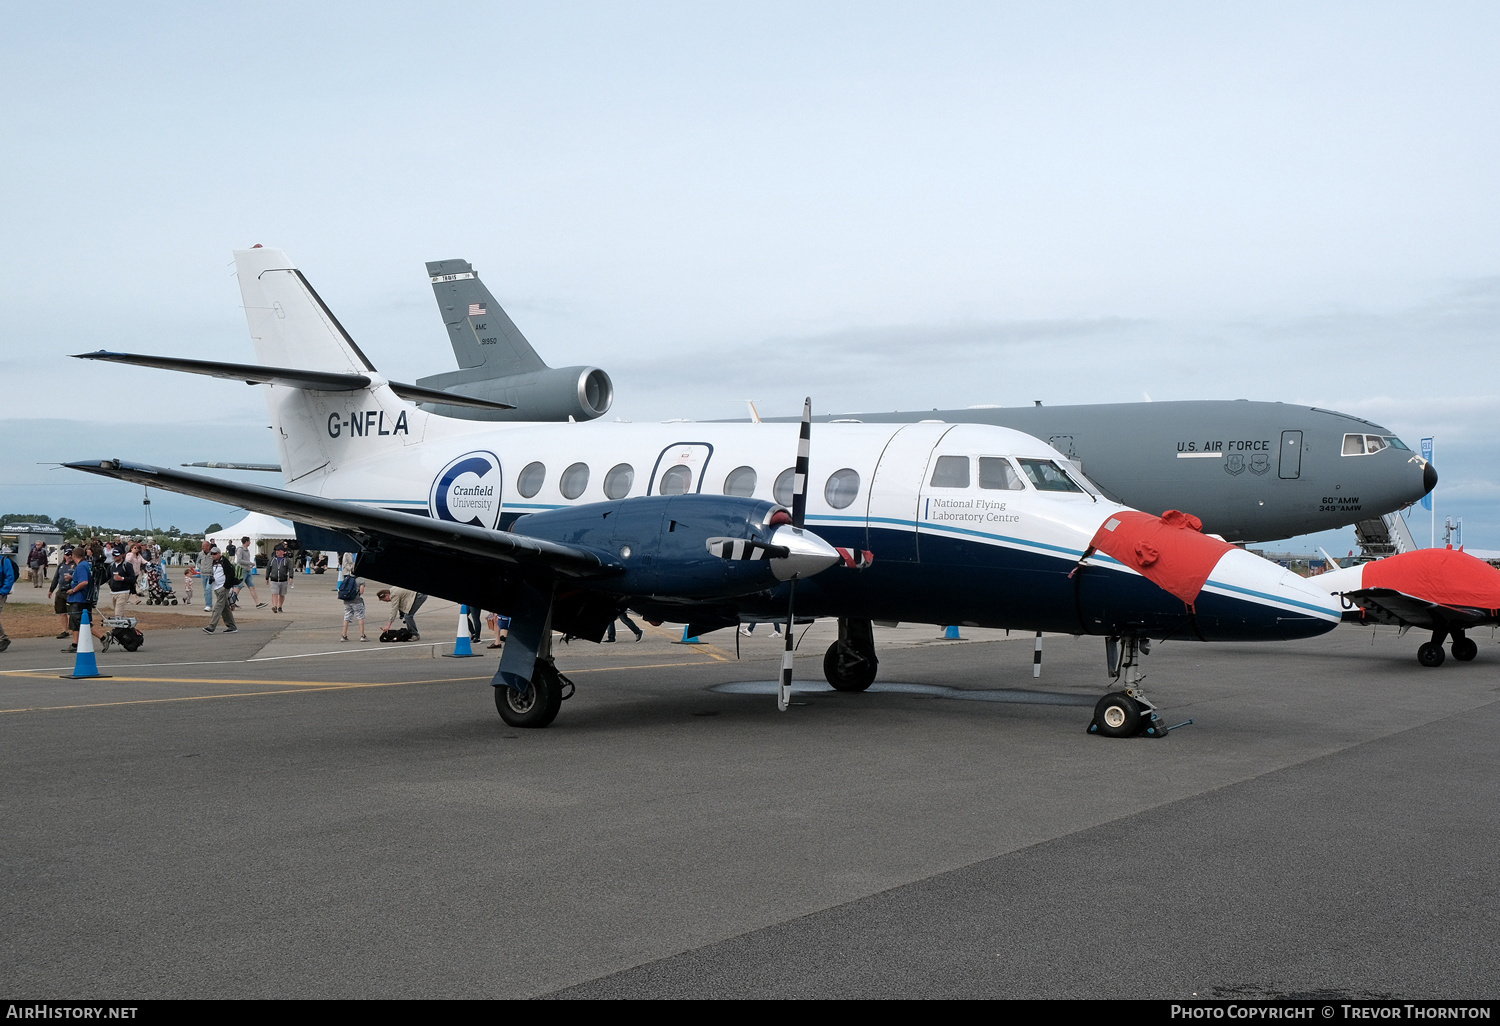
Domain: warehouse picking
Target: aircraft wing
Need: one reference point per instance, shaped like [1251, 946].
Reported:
[365, 524]
[1390, 606]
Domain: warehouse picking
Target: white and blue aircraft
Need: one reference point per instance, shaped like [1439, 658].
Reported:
[563, 525]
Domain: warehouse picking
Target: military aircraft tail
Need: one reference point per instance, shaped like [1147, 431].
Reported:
[480, 331]
[495, 361]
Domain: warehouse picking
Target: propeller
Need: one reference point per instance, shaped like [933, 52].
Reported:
[799, 514]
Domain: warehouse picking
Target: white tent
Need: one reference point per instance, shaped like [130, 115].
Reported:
[260, 527]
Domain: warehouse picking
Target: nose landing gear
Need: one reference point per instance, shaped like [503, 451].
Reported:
[850, 663]
[1126, 713]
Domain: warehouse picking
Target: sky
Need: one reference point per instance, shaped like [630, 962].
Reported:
[885, 206]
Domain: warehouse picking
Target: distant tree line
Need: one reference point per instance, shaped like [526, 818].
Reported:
[72, 530]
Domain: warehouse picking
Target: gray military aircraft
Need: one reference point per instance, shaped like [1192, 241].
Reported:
[1251, 471]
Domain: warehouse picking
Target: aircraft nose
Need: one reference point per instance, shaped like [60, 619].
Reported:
[807, 554]
[1429, 478]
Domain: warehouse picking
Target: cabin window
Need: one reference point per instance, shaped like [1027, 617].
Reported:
[1047, 476]
[842, 488]
[782, 490]
[951, 472]
[618, 481]
[741, 482]
[997, 472]
[530, 481]
[574, 480]
[675, 481]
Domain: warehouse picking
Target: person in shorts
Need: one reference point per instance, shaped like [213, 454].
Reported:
[354, 608]
[278, 575]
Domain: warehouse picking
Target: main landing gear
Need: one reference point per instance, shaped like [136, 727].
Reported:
[850, 663]
[529, 690]
[538, 705]
[1463, 648]
[1126, 713]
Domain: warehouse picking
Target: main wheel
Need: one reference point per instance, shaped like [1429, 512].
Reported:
[537, 706]
[1430, 655]
[1465, 649]
[855, 674]
[1118, 715]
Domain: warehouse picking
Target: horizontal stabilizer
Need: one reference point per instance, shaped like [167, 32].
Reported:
[317, 381]
[364, 522]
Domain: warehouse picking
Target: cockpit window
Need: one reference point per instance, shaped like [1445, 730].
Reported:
[951, 472]
[1047, 476]
[1363, 445]
[1395, 443]
[997, 472]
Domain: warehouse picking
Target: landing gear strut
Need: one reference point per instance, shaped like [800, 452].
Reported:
[850, 663]
[1126, 713]
[528, 688]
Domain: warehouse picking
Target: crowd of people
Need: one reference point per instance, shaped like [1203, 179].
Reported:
[95, 575]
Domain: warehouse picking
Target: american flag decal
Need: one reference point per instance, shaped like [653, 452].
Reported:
[476, 310]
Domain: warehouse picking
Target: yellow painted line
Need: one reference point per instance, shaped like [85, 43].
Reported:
[243, 694]
[287, 687]
[641, 666]
[208, 680]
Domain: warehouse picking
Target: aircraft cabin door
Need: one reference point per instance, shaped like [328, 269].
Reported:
[1291, 455]
[680, 468]
[894, 495]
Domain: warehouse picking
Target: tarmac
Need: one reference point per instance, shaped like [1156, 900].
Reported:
[277, 813]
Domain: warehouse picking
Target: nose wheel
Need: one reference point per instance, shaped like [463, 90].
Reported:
[850, 663]
[1126, 713]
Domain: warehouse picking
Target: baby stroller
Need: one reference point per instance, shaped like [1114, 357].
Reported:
[158, 587]
[123, 630]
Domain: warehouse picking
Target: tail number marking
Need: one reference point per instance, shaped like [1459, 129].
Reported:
[366, 422]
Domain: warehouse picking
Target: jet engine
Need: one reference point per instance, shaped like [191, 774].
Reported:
[551, 394]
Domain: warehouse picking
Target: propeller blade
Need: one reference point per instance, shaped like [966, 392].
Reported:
[799, 480]
[799, 514]
[784, 692]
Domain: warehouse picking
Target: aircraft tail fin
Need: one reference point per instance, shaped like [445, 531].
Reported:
[483, 336]
[291, 326]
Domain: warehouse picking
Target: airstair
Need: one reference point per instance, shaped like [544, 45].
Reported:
[1385, 536]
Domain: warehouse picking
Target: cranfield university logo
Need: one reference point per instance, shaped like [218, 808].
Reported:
[467, 490]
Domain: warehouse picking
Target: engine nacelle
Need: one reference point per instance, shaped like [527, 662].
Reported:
[553, 394]
[687, 548]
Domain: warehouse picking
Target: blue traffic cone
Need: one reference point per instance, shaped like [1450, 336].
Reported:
[951, 634]
[85, 666]
[686, 640]
[461, 647]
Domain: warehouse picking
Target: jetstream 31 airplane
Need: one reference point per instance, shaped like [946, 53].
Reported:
[564, 525]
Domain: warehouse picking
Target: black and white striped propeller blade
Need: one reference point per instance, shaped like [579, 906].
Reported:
[799, 514]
